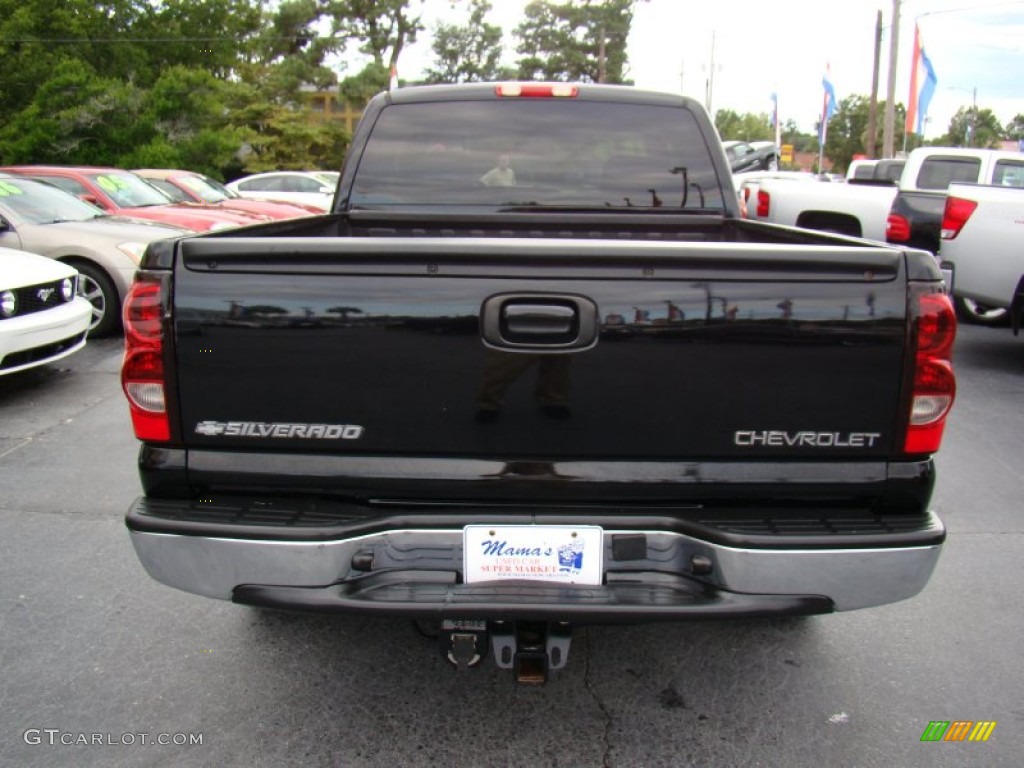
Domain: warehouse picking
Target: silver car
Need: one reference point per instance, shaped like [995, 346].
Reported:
[38, 217]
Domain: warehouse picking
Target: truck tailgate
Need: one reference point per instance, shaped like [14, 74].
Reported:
[540, 349]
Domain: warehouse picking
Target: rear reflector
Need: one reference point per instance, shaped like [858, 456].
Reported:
[934, 331]
[142, 371]
[955, 215]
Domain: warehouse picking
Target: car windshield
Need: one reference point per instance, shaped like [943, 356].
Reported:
[329, 178]
[173, 192]
[537, 152]
[36, 202]
[128, 190]
[204, 188]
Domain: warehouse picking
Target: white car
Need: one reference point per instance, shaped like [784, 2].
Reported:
[42, 317]
[314, 188]
[42, 219]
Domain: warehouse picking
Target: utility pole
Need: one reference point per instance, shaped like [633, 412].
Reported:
[972, 121]
[711, 77]
[888, 132]
[869, 144]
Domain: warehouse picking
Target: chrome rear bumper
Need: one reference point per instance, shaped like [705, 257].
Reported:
[417, 572]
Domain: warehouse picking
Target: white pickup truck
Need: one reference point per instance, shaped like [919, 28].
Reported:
[858, 207]
[983, 247]
[905, 214]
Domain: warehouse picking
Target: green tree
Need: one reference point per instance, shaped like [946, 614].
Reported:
[800, 141]
[128, 82]
[745, 127]
[75, 117]
[581, 40]
[211, 35]
[847, 132]
[290, 52]
[190, 83]
[1014, 130]
[268, 110]
[974, 127]
[187, 115]
[288, 140]
[470, 53]
[380, 30]
[281, 136]
[36, 37]
[364, 84]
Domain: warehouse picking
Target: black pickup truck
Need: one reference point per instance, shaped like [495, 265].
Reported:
[534, 371]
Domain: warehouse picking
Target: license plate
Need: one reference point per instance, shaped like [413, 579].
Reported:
[561, 554]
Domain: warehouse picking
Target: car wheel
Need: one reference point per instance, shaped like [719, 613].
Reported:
[99, 290]
[971, 311]
[772, 163]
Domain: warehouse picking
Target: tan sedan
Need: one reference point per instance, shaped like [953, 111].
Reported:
[38, 217]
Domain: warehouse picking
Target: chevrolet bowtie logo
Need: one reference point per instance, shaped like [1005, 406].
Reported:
[44, 294]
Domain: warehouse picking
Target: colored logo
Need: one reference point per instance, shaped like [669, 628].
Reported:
[958, 730]
[570, 557]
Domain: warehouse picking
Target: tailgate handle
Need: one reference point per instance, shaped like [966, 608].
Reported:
[539, 322]
[538, 319]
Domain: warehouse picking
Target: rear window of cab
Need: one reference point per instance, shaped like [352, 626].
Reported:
[537, 153]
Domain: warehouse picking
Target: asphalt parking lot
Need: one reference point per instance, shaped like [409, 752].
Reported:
[104, 667]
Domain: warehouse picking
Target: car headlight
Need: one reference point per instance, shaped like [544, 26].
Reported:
[8, 303]
[67, 288]
[132, 249]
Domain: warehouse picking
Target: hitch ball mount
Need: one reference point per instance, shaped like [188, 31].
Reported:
[530, 648]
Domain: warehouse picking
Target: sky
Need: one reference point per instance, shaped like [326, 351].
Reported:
[757, 47]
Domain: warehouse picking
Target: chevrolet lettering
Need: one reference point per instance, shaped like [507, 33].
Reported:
[275, 430]
[771, 438]
[584, 389]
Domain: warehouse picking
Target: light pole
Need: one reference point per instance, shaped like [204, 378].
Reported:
[889, 124]
[972, 119]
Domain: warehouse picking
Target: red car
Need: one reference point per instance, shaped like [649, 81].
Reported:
[193, 187]
[124, 194]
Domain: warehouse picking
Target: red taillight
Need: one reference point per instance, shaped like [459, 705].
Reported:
[897, 228]
[142, 371]
[536, 90]
[764, 204]
[934, 381]
[955, 215]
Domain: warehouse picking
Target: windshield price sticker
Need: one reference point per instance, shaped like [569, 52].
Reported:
[6, 189]
[561, 554]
